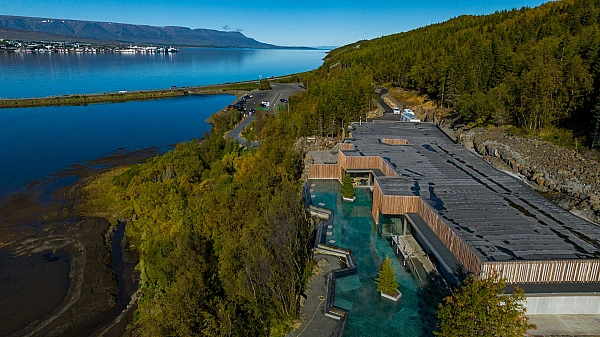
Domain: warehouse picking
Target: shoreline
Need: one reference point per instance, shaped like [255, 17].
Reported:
[231, 88]
[94, 300]
[115, 97]
[46, 218]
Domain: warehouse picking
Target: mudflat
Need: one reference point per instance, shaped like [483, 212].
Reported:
[57, 267]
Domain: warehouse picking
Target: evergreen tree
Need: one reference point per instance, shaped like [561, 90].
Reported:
[386, 282]
[480, 308]
[347, 187]
[264, 84]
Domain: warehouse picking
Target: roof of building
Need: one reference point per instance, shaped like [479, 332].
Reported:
[497, 215]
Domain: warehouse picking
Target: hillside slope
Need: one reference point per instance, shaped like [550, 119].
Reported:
[536, 68]
[127, 33]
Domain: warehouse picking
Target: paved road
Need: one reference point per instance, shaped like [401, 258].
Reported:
[236, 133]
[277, 92]
[388, 114]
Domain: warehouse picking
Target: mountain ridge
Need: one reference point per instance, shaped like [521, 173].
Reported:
[127, 33]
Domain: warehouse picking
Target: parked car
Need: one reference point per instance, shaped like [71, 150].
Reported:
[397, 111]
[283, 100]
[265, 104]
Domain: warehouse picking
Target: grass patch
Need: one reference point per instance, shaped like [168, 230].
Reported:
[73, 100]
[98, 196]
[412, 99]
[249, 133]
[249, 86]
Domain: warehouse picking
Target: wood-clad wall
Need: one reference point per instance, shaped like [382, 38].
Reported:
[512, 271]
[365, 163]
[325, 171]
[346, 146]
[394, 141]
[394, 204]
[451, 240]
[545, 271]
[385, 167]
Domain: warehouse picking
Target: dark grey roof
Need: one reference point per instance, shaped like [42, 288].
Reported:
[497, 215]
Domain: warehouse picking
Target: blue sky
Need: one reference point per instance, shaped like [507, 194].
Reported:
[283, 22]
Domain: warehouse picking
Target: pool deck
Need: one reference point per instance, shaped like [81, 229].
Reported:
[315, 323]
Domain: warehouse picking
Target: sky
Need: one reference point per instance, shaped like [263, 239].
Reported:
[282, 22]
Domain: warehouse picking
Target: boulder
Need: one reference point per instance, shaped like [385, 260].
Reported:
[540, 181]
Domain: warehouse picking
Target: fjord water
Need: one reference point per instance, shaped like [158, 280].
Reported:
[52, 74]
[36, 142]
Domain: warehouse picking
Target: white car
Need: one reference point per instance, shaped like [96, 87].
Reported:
[396, 111]
[266, 104]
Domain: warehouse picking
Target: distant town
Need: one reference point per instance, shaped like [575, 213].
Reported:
[77, 47]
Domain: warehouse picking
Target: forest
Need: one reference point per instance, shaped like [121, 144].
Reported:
[532, 68]
[222, 234]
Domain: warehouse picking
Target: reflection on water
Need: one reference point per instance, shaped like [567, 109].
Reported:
[36, 142]
[46, 74]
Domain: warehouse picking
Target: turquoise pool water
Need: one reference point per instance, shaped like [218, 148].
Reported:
[370, 315]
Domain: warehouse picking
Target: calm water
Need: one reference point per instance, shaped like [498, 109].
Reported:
[35, 142]
[48, 74]
[370, 315]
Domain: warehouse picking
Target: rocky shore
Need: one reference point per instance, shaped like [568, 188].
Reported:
[569, 178]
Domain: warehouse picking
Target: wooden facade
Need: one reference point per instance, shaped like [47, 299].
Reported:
[518, 271]
[394, 141]
[557, 271]
[395, 204]
[337, 171]
[365, 163]
[325, 171]
[346, 146]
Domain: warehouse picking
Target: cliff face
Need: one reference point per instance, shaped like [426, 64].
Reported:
[127, 33]
[570, 178]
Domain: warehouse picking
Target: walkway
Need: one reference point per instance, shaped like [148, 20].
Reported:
[411, 251]
[315, 323]
[236, 133]
[566, 325]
